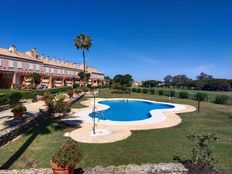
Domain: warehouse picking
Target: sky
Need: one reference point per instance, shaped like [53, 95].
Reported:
[145, 38]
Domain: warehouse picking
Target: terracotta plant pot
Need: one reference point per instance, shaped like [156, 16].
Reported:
[18, 114]
[57, 169]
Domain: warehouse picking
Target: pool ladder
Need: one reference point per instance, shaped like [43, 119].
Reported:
[99, 114]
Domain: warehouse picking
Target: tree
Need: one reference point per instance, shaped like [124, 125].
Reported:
[121, 81]
[150, 83]
[83, 75]
[204, 76]
[200, 97]
[181, 81]
[168, 80]
[36, 78]
[83, 42]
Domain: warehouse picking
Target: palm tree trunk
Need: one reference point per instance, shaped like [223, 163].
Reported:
[83, 52]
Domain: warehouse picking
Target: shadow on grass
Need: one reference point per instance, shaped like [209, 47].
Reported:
[40, 129]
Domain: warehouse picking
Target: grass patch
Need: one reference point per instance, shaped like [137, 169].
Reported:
[78, 104]
[148, 146]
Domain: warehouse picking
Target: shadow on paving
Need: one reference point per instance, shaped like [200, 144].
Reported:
[41, 129]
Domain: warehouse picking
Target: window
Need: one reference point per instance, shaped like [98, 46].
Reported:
[62, 71]
[58, 71]
[52, 70]
[37, 67]
[0, 62]
[19, 65]
[47, 70]
[30, 66]
[10, 63]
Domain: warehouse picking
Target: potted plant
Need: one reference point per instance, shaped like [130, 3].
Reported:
[19, 110]
[66, 158]
[70, 93]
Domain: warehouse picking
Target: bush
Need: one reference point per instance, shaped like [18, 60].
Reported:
[172, 93]
[183, 95]
[28, 95]
[14, 98]
[152, 91]
[77, 91]
[200, 96]
[201, 158]
[161, 92]
[3, 100]
[19, 108]
[138, 90]
[68, 154]
[222, 99]
[75, 85]
[133, 89]
[70, 93]
[145, 90]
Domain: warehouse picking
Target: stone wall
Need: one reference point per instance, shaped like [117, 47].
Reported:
[21, 125]
[162, 168]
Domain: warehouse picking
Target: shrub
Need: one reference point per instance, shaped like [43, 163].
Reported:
[75, 85]
[145, 90]
[183, 95]
[172, 93]
[68, 154]
[161, 92]
[133, 89]
[138, 90]
[222, 99]
[14, 98]
[3, 100]
[70, 93]
[200, 96]
[19, 108]
[152, 91]
[28, 95]
[77, 91]
[201, 158]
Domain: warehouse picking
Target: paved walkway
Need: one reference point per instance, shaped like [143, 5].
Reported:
[116, 131]
[7, 117]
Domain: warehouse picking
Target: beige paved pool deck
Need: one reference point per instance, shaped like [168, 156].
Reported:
[119, 131]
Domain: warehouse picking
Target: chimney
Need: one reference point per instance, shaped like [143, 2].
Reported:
[34, 53]
[12, 49]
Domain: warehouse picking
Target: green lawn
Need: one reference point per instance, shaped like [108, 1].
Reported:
[78, 104]
[211, 94]
[150, 146]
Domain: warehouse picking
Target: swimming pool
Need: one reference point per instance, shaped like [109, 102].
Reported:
[128, 110]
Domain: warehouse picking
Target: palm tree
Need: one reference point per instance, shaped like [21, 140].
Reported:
[83, 42]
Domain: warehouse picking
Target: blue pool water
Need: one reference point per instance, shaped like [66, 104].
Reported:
[131, 110]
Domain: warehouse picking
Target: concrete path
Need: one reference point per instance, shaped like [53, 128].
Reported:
[6, 117]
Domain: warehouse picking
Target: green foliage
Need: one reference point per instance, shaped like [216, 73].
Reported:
[150, 83]
[19, 108]
[77, 91]
[75, 85]
[183, 94]
[122, 81]
[133, 89]
[152, 91]
[172, 93]
[161, 92]
[138, 90]
[81, 75]
[222, 99]
[68, 155]
[36, 78]
[200, 96]
[14, 98]
[28, 95]
[145, 90]
[201, 158]
[83, 41]
[3, 100]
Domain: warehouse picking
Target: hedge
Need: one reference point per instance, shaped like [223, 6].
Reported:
[222, 99]
[145, 90]
[161, 92]
[183, 94]
[152, 91]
